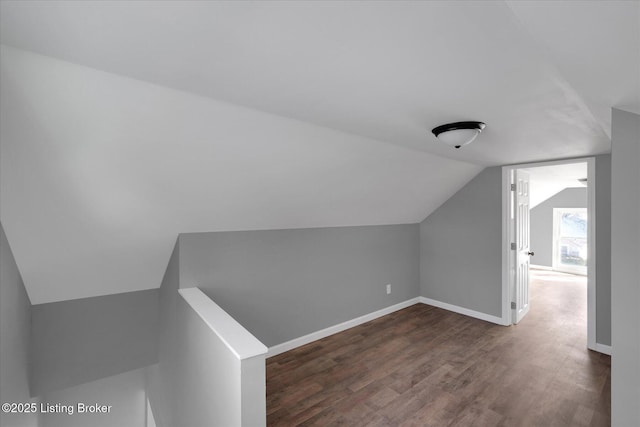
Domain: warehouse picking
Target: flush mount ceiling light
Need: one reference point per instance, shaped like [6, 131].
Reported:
[459, 133]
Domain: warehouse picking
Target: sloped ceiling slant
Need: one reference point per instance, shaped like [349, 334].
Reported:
[124, 124]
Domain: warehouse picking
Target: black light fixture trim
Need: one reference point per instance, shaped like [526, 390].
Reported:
[458, 125]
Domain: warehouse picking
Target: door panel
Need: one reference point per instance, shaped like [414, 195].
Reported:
[523, 245]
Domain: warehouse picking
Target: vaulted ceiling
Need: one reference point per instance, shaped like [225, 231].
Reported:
[547, 181]
[126, 123]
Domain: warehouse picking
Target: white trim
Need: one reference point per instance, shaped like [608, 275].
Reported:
[541, 267]
[552, 163]
[507, 258]
[314, 336]
[240, 341]
[547, 268]
[465, 311]
[602, 348]
[591, 253]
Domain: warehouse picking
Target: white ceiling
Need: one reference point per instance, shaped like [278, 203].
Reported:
[542, 75]
[99, 173]
[125, 123]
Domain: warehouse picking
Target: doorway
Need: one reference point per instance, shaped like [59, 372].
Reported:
[567, 249]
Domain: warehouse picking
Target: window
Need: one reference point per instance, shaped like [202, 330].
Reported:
[570, 240]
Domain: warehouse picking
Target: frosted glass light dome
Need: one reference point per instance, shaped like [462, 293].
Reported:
[458, 134]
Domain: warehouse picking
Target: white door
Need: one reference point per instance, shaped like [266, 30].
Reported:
[523, 245]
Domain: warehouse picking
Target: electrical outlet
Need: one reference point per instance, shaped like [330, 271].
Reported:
[388, 289]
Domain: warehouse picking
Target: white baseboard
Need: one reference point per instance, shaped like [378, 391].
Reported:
[547, 268]
[462, 310]
[602, 348]
[297, 342]
[540, 267]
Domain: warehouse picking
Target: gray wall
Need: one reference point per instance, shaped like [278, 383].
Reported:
[461, 244]
[86, 339]
[603, 249]
[625, 271]
[124, 392]
[15, 324]
[284, 284]
[542, 222]
[461, 247]
[161, 375]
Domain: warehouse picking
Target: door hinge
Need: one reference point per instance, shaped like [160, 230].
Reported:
[513, 246]
[513, 306]
[513, 187]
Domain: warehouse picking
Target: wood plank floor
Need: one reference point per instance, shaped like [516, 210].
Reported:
[424, 366]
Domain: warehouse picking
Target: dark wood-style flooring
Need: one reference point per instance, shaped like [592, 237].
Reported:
[424, 366]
